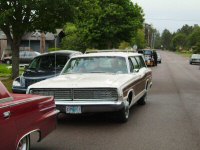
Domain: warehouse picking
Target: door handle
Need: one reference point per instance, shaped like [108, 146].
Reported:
[6, 114]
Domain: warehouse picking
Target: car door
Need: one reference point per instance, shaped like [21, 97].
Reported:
[142, 72]
[7, 128]
[137, 74]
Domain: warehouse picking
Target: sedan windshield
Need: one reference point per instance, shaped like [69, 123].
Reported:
[48, 62]
[147, 52]
[102, 64]
[196, 56]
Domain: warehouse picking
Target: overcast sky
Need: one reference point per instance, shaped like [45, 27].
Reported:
[170, 14]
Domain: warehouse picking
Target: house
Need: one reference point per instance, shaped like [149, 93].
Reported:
[3, 43]
[35, 41]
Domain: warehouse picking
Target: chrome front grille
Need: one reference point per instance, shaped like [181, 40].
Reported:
[57, 93]
[96, 94]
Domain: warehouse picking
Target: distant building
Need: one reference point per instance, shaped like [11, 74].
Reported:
[3, 43]
[35, 41]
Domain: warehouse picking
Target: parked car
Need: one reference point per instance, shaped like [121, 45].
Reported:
[25, 57]
[23, 115]
[195, 58]
[149, 57]
[159, 58]
[140, 51]
[45, 66]
[99, 82]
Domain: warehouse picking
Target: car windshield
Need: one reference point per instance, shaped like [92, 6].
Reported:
[47, 62]
[147, 52]
[102, 64]
[196, 56]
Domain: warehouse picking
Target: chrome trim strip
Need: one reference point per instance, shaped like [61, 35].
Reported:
[23, 101]
[87, 103]
[32, 131]
[4, 100]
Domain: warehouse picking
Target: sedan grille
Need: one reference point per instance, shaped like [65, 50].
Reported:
[95, 94]
[79, 94]
[57, 93]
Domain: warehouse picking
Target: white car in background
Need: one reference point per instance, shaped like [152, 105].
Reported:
[99, 82]
[195, 59]
[159, 58]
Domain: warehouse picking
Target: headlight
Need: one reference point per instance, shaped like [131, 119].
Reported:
[30, 91]
[16, 83]
[22, 81]
[19, 81]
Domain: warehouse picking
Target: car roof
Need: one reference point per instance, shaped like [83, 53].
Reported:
[148, 50]
[117, 54]
[109, 50]
[61, 52]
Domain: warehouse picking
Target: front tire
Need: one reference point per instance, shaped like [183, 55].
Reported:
[142, 100]
[24, 143]
[123, 115]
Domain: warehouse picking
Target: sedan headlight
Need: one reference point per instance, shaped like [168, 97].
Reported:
[19, 81]
[30, 91]
[16, 83]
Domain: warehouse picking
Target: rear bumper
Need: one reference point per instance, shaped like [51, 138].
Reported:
[89, 107]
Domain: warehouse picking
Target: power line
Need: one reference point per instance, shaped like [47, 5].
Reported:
[171, 19]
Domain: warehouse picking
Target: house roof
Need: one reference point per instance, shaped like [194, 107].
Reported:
[35, 35]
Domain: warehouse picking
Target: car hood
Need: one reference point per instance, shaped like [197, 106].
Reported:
[40, 73]
[85, 81]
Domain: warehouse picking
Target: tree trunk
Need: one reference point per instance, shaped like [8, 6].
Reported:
[15, 57]
[109, 45]
[14, 41]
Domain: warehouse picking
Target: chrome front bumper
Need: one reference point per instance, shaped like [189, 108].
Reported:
[92, 106]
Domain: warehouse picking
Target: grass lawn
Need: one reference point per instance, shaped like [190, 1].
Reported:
[8, 84]
[5, 75]
[185, 53]
[5, 71]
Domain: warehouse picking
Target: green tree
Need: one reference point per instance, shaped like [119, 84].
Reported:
[106, 23]
[139, 39]
[186, 29]
[20, 16]
[73, 39]
[179, 41]
[194, 40]
[166, 39]
[157, 40]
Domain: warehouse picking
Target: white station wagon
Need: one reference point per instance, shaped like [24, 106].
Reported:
[99, 82]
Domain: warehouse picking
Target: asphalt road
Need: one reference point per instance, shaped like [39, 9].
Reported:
[169, 121]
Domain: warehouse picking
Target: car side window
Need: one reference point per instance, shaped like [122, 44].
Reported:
[131, 65]
[140, 61]
[61, 60]
[135, 63]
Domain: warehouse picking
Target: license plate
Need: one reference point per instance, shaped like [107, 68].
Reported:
[73, 109]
